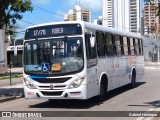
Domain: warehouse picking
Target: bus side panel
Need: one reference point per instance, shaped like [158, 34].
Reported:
[139, 67]
[122, 76]
[112, 73]
[92, 82]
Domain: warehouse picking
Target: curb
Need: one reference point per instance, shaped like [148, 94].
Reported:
[152, 68]
[8, 98]
[4, 77]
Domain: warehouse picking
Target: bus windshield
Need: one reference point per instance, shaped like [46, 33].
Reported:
[54, 56]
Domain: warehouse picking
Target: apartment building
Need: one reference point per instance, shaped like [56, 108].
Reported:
[79, 13]
[134, 16]
[107, 13]
[122, 14]
[151, 21]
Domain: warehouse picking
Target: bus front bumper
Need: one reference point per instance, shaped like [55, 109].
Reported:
[75, 93]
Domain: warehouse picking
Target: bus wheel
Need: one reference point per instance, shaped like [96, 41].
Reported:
[103, 91]
[133, 80]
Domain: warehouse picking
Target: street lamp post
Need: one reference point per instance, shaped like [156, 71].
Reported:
[15, 48]
[10, 66]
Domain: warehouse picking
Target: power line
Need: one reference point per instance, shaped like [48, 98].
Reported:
[19, 33]
[28, 22]
[20, 28]
[45, 10]
[51, 12]
[48, 11]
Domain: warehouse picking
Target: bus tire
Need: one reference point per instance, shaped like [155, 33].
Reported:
[103, 90]
[133, 80]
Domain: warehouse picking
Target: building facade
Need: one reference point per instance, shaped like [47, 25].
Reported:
[134, 16]
[16, 60]
[107, 13]
[122, 14]
[151, 20]
[79, 13]
[98, 21]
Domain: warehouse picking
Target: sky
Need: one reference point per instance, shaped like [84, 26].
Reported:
[58, 9]
[54, 10]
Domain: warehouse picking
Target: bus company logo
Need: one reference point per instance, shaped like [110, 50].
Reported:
[51, 87]
[6, 114]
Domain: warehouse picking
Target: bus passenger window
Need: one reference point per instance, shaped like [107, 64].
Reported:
[100, 43]
[109, 44]
[136, 46]
[118, 44]
[125, 45]
[132, 46]
[140, 46]
[129, 47]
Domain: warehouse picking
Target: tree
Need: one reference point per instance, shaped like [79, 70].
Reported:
[11, 10]
[158, 8]
[13, 31]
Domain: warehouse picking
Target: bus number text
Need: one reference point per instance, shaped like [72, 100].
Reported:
[39, 32]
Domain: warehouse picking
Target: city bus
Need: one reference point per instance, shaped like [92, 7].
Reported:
[79, 60]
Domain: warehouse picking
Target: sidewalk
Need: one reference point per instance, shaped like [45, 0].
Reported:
[17, 70]
[152, 65]
[149, 63]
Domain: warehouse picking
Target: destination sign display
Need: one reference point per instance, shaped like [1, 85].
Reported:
[53, 30]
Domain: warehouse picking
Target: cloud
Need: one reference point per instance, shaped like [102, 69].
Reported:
[41, 1]
[93, 5]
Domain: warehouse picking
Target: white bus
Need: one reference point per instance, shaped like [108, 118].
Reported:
[79, 60]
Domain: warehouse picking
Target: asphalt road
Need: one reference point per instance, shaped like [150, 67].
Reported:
[142, 98]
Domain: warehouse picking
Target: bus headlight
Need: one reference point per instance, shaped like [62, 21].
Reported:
[29, 84]
[77, 83]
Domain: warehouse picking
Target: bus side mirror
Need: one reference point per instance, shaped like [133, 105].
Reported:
[92, 41]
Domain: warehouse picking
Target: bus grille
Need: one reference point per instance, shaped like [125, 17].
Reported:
[52, 80]
[58, 93]
[55, 87]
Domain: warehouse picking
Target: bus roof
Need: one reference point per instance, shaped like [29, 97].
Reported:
[111, 30]
[55, 23]
[92, 26]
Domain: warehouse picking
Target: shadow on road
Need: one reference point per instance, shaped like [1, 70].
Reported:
[123, 89]
[83, 104]
[155, 104]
